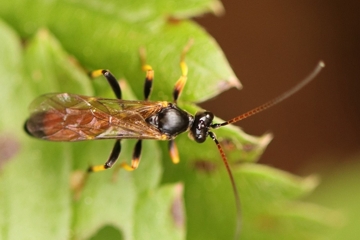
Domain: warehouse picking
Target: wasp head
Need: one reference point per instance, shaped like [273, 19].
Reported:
[200, 127]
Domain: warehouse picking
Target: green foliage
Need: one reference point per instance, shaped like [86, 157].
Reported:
[191, 200]
[343, 180]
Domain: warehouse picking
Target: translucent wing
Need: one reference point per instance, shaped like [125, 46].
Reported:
[71, 117]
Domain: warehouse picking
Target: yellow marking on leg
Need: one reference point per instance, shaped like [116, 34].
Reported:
[97, 168]
[149, 74]
[129, 168]
[144, 66]
[174, 154]
[96, 73]
[184, 68]
[180, 84]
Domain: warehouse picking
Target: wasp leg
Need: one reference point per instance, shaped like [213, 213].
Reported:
[110, 78]
[135, 158]
[149, 74]
[179, 85]
[174, 154]
[110, 162]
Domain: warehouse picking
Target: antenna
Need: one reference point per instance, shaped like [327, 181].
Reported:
[276, 100]
[254, 111]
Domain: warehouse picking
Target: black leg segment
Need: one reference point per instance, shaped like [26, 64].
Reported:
[149, 74]
[110, 78]
[148, 83]
[111, 161]
[135, 158]
[179, 85]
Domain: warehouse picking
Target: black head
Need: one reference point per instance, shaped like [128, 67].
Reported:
[200, 127]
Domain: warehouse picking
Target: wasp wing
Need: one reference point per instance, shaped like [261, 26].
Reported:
[71, 117]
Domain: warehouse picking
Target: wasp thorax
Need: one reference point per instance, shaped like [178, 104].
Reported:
[171, 120]
[200, 128]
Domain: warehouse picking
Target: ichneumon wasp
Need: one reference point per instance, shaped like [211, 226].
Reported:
[71, 117]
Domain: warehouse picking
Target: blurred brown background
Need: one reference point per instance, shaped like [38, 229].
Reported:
[272, 45]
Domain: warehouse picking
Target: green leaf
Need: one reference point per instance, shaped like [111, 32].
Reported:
[43, 170]
[36, 201]
[169, 216]
[31, 175]
[339, 190]
[11, 76]
[267, 208]
[112, 41]
[51, 69]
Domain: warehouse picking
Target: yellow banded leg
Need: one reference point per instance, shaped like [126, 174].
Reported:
[135, 159]
[111, 80]
[179, 85]
[149, 74]
[110, 162]
[174, 154]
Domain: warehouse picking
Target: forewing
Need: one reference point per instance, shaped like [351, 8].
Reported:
[70, 117]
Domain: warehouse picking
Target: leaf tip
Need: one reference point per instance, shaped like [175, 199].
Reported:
[265, 139]
[311, 182]
[177, 208]
[228, 83]
[234, 82]
[43, 33]
[217, 8]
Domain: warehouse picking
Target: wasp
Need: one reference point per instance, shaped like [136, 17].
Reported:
[72, 117]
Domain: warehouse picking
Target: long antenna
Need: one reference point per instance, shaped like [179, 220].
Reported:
[276, 100]
[233, 184]
[254, 111]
